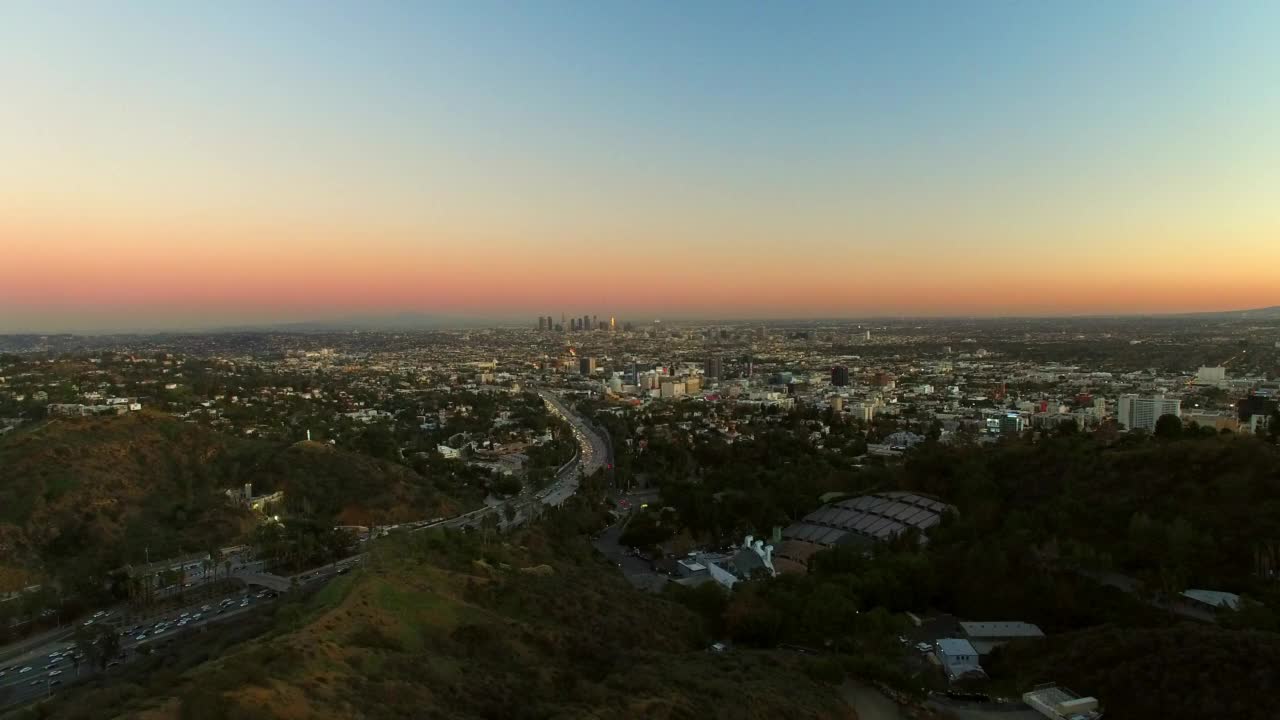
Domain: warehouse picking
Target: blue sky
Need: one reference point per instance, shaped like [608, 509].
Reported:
[886, 136]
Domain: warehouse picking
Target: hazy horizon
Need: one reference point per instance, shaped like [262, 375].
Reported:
[409, 319]
[197, 166]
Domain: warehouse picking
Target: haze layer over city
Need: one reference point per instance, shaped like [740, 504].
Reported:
[577, 360]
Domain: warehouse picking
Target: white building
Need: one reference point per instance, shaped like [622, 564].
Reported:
[1215, 376]
[959, 658]
[1141, 413]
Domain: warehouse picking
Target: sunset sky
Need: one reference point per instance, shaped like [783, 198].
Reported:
[196, 164]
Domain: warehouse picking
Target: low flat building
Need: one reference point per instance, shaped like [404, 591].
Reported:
[986, 636]
[1058, 703]
[959, 659]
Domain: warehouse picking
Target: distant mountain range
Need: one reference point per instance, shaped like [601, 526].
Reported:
[1266, 313]
[398, 321]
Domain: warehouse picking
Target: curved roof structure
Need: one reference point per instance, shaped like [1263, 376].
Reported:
[874, 517]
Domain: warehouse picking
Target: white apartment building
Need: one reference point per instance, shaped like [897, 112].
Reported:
[1134, 412]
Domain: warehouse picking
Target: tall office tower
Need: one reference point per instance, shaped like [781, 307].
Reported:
[542, 323]
[868, 335]
[613, 324]
[1141, 413]
[586, 322]
[714, 367]
[587, 365]
[840, 376]
[595, 323]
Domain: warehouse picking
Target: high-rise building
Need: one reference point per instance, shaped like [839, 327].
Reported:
[713, 368]
[1012, 423]
[542, 323]
[840, 376]
[587, 365]
[613, 324]
[1141, 413]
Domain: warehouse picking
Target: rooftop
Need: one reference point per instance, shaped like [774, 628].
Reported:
[1001, 630]
[878, 517]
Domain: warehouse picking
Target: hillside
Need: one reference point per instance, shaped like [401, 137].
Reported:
[451, 625]
[79, 497]
[1146, 673]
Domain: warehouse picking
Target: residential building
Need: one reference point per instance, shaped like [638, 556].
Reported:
[1135, 412]
[1214, 376]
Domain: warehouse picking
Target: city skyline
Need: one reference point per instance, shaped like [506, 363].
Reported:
[188, 167]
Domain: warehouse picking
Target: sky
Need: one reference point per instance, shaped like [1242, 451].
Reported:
[193, 164]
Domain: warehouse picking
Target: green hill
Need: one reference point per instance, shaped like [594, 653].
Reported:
[80, 497]
[449, 625]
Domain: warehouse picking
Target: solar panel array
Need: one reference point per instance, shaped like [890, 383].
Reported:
[878, 517]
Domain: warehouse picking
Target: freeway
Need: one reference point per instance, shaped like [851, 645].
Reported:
[593, 454]
[17, 687]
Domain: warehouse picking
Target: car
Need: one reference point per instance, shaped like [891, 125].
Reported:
[185, 614]
[141, 637]
[54, 673]
[100, 613]
[113, 663]
[88, 622]
[924, 647]
[26, 669]
[37, 681]
[205, 608]
[55, 682]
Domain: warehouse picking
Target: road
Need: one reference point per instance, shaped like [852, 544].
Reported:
[638, 571]
[17, 687]
[593, 454]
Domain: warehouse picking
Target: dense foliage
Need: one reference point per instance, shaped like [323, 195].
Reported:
[443, 624]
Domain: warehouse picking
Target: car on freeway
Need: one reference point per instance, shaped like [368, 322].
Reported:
[26, 669]
[100, 613]
[55, 682]
[141, 637]
[54, 673]
[37, 681]
[205, 608]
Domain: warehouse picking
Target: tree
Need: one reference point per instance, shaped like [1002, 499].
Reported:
[1168, 427]
[488, 523]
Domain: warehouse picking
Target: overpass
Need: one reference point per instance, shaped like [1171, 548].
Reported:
[266, 580]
